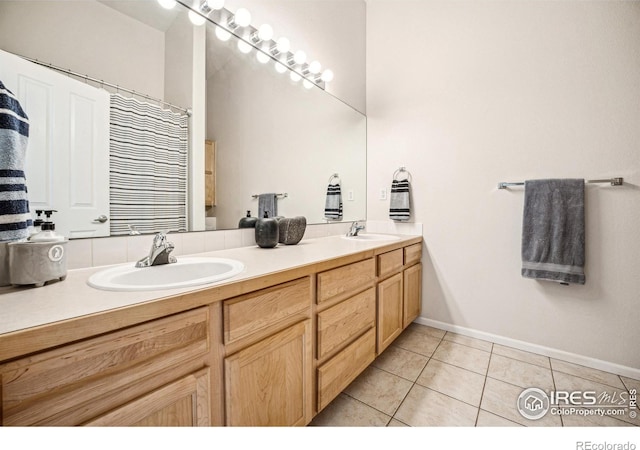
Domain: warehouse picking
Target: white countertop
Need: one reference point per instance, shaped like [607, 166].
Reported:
[28, 307]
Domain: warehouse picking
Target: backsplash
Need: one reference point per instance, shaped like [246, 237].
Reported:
[83, 253]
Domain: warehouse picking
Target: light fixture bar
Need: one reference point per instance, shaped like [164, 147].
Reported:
[272, 48]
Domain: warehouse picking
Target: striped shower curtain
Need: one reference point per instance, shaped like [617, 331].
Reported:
[148, 167]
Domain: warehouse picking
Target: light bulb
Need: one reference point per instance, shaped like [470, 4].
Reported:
[262, 57]
[283, 45]
[280, 68]
[167, 4]
[295, 76]
[242, 17]
[314, 67]
[299, 57]
[222, 34]
[244, 47]
[265, 32]
[196, 18]
[327, 76]
[215, 4]
[307, 84]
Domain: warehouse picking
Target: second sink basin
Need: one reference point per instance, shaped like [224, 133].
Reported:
[186, 272]
[370, 237]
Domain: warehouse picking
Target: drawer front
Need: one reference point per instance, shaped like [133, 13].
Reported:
[342, 322]
[260, 310]
[343, 368]
[346, 279]
[390, 262]
[66, 385]
[412, 254]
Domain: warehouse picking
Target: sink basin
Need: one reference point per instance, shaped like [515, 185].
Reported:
[371, 237]
[187, 271]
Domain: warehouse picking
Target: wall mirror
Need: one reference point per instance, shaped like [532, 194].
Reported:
[270, 134]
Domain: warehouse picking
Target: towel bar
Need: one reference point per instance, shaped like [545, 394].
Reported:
[618, 181]
[284, 195]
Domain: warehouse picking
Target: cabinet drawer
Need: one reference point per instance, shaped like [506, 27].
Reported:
[346, 279]
[260, 310]
[74, 383]
[343, 368]
[340, 323]
[390, 262]
[412, 254]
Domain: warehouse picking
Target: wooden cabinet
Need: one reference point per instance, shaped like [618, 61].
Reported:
[390, 310]
[269, 347]
[76, 383]
[209, 173]
[269, 383]
[399, 292]
[184, 402]
[412, 295]
[268, 351]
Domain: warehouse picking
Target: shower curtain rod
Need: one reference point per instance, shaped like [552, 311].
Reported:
[187, 111]
[618, 181]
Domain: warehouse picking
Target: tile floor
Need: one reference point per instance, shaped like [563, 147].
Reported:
[429, 377]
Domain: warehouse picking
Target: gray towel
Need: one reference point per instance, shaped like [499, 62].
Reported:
[399, 204]
[333, 202]
[267, 203]
[553, 230]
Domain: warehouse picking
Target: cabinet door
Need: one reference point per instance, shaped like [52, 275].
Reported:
[390, 311]
[184, 402]
[269, 383]
[412, 293]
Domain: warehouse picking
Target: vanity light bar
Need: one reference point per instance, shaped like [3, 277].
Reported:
[251, 37]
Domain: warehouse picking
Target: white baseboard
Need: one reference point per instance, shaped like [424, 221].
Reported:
[534, 348]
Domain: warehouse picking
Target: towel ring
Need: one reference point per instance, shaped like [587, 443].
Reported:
[399, 171]
[335, 175]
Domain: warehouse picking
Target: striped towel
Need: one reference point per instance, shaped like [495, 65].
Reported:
[15, 218]
[399, 203]
[333, 203]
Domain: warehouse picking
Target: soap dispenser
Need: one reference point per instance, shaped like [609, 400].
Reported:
[47, 230]
[267, 231]
[248, 221]
[40, 259]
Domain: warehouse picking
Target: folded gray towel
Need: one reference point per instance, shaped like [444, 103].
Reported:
[267, 203]
[333, 202]
[553, 230]
[399, 203]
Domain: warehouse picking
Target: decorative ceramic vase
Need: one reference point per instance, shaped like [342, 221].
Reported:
[267, 231]
[291, 230]
[248, 221]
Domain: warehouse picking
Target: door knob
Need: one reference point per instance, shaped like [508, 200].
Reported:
[102, 219]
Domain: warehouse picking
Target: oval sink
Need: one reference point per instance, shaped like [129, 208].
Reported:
[370, 237]
[188, 271]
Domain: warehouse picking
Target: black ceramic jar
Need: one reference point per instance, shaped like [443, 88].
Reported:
[267, 231]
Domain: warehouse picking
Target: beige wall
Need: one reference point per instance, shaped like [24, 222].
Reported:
[86, 37]
[470, 93]
[330, 31]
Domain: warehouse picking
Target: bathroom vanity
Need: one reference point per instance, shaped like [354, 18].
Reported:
[273, 345]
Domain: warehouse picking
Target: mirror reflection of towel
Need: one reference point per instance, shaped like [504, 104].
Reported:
[333, 202]
[399, 203]
[267, 203]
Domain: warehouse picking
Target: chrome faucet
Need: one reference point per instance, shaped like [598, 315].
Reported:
[353, 231]
[159, 253]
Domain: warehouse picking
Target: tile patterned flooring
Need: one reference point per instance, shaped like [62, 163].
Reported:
[429, 377]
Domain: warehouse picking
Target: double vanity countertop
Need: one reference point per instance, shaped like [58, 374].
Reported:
[77, 310]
